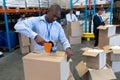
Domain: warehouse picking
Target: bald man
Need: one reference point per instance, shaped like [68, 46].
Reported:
[44, 29]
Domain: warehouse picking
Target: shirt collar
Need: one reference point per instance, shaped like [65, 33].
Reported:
[42, 18]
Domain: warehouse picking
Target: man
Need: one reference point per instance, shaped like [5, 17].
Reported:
[71, 17]
[44, 29]
[97, 21]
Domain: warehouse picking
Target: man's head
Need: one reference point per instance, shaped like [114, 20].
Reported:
[100, 11]
[54, 13]
[71, 11]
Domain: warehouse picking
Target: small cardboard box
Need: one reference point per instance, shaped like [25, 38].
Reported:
[31, 45]
[95, 59]
[23, 40]
[91, 74]
[25, 49]
[74, 29]
[112, 40]
[43, 66]
[115, 56]
[108, 30]
[74, 40]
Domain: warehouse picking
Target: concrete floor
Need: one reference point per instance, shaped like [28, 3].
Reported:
[11, 65]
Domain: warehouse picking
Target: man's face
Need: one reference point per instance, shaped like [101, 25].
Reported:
[101, 12]
[54, 15]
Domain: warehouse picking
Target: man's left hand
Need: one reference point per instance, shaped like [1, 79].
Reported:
[69, 53]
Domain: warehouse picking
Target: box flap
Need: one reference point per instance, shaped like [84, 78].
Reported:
[92, 52]
[103, 74]
[107, 49]
[55, 57]
[81, 68]
[106, 27]
[116, 49]
[85, 48]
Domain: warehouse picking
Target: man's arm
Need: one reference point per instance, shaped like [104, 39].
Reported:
[65, 44]
[25, 27]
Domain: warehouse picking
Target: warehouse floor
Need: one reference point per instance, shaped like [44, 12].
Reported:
[11, 65]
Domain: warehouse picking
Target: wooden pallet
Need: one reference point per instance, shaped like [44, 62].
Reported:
[4, 49]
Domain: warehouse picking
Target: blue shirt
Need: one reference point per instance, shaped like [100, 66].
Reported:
[48, 31]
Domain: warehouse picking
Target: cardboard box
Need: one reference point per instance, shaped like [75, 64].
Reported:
[74, 29]
[107, 31]
[43, 66]
[113, 40]
[116, 66]
[23, 40]
[91, 74]
[25, 49]
[95, 59]
[75, 40]
[115, 56]
[31, 45]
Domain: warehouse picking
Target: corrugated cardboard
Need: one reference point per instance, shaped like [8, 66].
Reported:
[46, 67]
[25, 49]
[71, 77]
[74, 40]
[116, 66]
[107, 30]
[115, 56]
[102, 74]
[81, 68]
[95, 59]
[31, 45]
[114, 40]
[74, 29]
[23, 40]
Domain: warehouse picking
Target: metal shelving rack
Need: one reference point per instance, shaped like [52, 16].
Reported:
[110, 6]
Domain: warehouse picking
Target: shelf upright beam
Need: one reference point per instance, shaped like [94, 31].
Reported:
[111, 11]
[94, 7]
[86, 11]
[71, 4]
[7, 27]
[39, 7]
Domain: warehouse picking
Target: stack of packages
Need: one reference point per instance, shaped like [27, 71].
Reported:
[74, 32]
[32, 3]
[15, 3]
[108, 36]
[44, 3]
[46, 66]
[113, 58]
[95, 66]
[26, 44]
[63, 3]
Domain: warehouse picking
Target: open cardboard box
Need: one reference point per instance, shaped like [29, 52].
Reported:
[41, 66]
[91, 74]
[95, 58]
[107, 30]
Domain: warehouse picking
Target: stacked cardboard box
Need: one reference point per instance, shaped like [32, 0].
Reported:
[15, 3]
[26, 44]
[44, 66]
[114, 58]
[32, 3]
[95, 59]
[108, 36]
[74, 32]
[86, 73]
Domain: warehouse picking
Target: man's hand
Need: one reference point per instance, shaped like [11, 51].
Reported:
[69, 53]
[40, 40]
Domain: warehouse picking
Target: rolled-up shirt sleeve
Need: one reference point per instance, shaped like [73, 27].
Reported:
[64, 41]
[25, 27]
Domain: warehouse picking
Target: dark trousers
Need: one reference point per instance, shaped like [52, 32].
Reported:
[96, 39]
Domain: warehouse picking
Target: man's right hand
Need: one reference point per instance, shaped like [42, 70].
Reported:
[40, 40]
